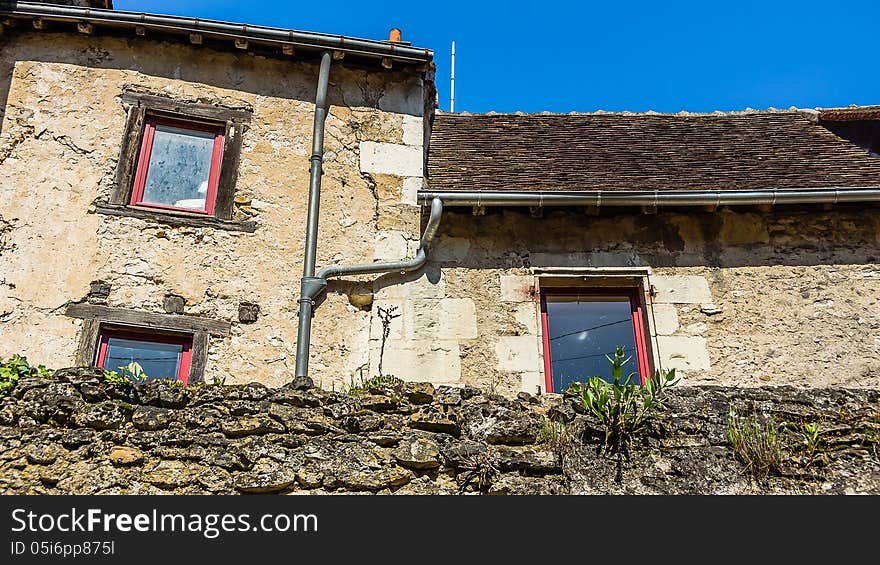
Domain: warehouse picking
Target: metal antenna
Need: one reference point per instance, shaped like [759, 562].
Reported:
[452, 87]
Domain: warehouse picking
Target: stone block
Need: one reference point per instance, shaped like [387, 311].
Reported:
[396, 325]
[424, 285]
[98, 292]
[390, 245]
[447, 318]
[391, 159]
[458, 318]
[433, 361]
[411, 187]
[248, 312]
[681, 289]
[665, 319]
[685, 353]
[173, 304]
[516, 288]
[520, 353]
[527, 315]
[594, 259]
[532, 381]
[413, 130]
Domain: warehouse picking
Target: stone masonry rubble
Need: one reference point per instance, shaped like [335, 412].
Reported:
[72, 433]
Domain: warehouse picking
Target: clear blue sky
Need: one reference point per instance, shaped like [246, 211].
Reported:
[611, 55]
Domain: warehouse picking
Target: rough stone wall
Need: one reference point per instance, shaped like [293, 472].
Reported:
[60, 137]
[72, 434]
[742, 298]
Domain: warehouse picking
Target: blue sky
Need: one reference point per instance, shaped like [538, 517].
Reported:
[610, 55]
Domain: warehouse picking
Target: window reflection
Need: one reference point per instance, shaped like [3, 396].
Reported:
[158, 360]
[180, 162]
[582, 330]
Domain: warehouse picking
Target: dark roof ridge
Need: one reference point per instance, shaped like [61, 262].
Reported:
[811, 113]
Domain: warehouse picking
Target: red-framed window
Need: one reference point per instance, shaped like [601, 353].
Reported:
[178, 166]
[161, 356]
[583, 325]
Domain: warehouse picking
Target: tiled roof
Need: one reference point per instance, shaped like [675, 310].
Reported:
[770, 149]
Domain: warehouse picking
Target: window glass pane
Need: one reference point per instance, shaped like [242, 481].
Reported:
[582, 331]
[179, 165]
[159, 360]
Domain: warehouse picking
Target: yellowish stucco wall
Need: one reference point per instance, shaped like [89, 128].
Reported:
[61, 132]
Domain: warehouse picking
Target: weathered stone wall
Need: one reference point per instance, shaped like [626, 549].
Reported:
[74, 434]
[742, 297]
[60, 138]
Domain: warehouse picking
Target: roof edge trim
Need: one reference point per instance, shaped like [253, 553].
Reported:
[214, 28]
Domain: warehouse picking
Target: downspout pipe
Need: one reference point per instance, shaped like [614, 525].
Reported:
[404, 266]
[827, 195]
[316, 170]
[312, 287]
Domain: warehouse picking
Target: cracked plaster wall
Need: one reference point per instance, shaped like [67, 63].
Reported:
[62, 127]
[744, 298]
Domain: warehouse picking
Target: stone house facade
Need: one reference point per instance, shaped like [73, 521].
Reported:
[741, 249]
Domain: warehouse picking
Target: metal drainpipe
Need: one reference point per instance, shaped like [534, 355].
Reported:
[314, 286]
[397, 266]
[316, 169]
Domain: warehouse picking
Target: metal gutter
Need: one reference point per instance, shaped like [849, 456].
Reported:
[832, 195]
[218, 29]
[313, 286]
[396, 266]
[308, 283]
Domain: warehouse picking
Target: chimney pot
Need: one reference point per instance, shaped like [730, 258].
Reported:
[394, 35]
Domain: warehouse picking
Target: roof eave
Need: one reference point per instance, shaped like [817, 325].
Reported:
[218, 30]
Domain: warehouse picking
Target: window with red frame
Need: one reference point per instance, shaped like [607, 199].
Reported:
[582, 326]
[160, 356]
[178, 166]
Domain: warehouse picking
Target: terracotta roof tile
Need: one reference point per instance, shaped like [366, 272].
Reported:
[603, 151]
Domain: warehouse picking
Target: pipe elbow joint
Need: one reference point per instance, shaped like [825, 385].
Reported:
[312, 287]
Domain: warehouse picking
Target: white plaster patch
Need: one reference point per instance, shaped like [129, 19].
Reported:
[527, 315]
[391, 159]
[679, 289]
[395, 327]
[410, 193]
[516, 288]
[532, 381]
[359, 349]
[665, 319]
[391, 245]
[458, 318]
[517, 353]
[413, 130]
[421, 287]
[430, 361]
[448, 318]
[685, 353]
